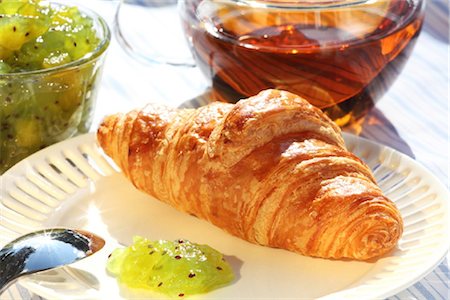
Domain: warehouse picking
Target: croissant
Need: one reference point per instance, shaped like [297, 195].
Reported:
[271, 169]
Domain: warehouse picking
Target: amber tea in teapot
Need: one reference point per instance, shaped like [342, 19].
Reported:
[340, 55]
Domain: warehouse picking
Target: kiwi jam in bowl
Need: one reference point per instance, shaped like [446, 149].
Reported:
[51, 57]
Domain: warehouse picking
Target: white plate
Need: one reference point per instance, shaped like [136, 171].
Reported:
[72, 184]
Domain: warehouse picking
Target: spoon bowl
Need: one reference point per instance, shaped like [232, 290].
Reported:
[43, 250]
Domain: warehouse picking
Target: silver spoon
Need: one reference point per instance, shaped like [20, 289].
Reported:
[44, 250]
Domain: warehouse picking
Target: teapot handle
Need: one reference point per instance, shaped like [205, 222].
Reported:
[148, 58]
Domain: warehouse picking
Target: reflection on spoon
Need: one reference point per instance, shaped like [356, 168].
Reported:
[44, 250]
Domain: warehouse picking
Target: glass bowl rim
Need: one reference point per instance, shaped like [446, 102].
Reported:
[89, 57]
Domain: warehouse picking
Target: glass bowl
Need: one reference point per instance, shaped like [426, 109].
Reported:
[42, 107]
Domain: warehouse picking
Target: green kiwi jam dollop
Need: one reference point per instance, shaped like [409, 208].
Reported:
[176, 269]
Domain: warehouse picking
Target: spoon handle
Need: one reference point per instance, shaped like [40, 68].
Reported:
[11, 266]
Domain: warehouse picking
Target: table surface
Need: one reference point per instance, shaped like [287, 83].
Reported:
[413, 116]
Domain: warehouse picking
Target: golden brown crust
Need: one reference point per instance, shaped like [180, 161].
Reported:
[271, 169]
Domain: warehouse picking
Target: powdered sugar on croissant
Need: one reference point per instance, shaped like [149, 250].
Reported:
[271, 169]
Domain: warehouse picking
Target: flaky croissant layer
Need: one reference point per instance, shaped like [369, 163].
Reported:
[270, 169]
